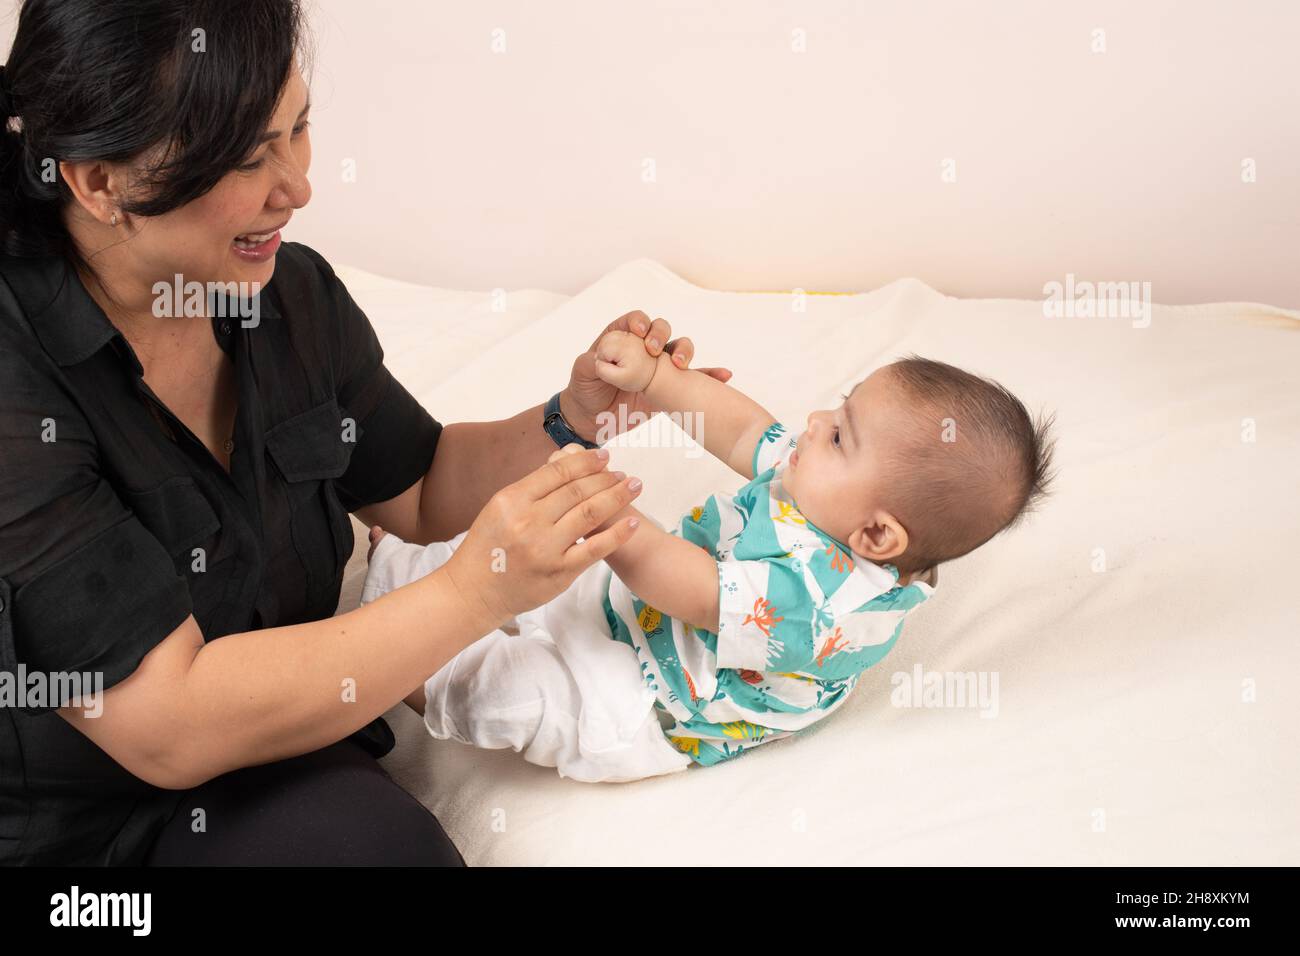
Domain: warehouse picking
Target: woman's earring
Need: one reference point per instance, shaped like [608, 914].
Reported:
[113, 221]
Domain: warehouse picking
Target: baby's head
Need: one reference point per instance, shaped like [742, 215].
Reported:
[922, 463]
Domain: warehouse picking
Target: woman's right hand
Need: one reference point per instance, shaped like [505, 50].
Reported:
[523, 549]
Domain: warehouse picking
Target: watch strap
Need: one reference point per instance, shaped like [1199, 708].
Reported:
[559, 429]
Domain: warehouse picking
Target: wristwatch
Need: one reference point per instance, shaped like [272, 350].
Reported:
[561, 431]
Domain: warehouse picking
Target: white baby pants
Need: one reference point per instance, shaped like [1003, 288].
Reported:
[562, 692]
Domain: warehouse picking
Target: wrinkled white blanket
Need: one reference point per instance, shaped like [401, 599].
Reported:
[1140, 629]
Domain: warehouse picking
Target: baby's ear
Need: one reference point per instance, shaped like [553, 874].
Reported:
[883, 540]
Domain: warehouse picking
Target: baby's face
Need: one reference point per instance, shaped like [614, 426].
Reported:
[837, 468]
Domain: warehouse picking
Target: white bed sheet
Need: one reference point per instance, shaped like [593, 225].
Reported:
[1145, 711]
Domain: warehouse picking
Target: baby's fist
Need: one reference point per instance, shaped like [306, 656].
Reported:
[622, 361]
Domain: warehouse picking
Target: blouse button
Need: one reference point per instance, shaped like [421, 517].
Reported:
[229, 445]
[225, 327]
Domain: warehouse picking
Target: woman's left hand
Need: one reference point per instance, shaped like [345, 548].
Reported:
[588, 399]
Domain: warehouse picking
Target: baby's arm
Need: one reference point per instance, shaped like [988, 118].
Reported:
[668, 573]
[725, 421]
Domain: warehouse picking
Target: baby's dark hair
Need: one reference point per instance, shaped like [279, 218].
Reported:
[967, 463]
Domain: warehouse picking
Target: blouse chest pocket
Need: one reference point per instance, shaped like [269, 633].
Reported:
[178, 514]
[309, 451]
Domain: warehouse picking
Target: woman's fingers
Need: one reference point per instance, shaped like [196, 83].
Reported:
[596, 510]
[583, 554]
[635, 321]
[570, 449]
[567, 497]
[682, 350]
[656, 333]
[562, 469]
[657, 337]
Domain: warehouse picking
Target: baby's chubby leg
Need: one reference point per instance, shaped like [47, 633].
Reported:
[394, 562]
[495, 693]
[518, 693]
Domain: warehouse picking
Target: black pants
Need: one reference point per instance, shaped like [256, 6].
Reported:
[333, 807]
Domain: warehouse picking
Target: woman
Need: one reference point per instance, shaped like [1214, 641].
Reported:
[167, 478]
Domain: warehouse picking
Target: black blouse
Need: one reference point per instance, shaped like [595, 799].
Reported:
[116, 522]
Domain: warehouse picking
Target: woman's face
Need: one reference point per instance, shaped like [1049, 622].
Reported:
[199, 240]
[258, 198]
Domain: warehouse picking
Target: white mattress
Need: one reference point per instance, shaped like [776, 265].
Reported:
[1145, 713]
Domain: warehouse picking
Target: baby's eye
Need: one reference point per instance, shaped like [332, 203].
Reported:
[835, 438]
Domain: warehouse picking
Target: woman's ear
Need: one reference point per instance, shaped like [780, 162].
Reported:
[97, 188]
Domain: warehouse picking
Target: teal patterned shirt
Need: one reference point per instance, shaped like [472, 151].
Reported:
[800, 619]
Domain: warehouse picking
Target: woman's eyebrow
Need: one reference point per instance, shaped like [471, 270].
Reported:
[275, 134]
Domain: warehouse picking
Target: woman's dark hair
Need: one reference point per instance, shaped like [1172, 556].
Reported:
[185, 88]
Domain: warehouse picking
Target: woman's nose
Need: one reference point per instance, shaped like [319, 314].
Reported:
[294, 190]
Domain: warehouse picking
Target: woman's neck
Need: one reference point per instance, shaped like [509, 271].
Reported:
[167, 347]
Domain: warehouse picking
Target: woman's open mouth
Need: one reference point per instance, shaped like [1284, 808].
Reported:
[257, 247]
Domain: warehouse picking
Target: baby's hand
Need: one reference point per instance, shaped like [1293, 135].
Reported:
[622, 361]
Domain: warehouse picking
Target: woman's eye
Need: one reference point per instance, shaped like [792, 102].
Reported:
[256, 164]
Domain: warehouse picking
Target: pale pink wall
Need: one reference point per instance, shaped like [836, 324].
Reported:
[820, 170]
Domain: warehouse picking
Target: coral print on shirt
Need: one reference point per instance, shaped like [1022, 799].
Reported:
[800, 620]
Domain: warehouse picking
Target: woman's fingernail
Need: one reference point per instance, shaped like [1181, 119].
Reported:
[680, 360]
[602, 453]
[634, 485]
[635, 522]
[653, 343]
[620, 475]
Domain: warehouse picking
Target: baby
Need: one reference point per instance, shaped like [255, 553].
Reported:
[756, 618]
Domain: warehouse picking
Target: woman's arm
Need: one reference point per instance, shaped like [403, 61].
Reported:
[193, 710]
[476, 459]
